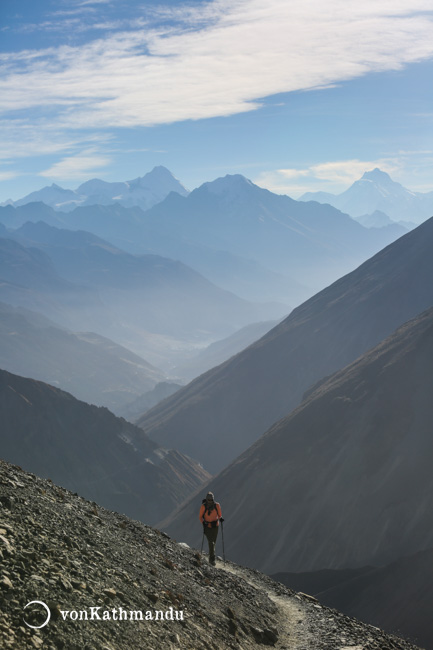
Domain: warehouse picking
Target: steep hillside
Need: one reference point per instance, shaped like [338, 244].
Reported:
[221, 413]
[90, 451]
[345, 480]
[94, 573]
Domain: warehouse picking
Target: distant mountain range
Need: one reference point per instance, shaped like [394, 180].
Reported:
[262, 246]
[152, 188]
[221, 413]
[345, 479]
[92, 368]
[88, 450]
[376, 191]
[311, 243]
[84, 283]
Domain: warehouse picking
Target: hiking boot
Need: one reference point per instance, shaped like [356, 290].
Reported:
[212, 561]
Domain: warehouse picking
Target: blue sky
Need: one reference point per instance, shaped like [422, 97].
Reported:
[296, 95]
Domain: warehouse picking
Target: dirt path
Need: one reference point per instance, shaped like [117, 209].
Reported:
[293, 628]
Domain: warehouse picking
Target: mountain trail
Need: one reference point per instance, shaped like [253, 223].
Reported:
[294, 631]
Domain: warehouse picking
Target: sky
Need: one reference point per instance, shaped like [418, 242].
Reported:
[296, 95]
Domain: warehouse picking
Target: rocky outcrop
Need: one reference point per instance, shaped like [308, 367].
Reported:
[93, 574]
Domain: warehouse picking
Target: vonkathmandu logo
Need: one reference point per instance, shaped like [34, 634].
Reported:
[99, 614]
[120, 614]
[47, 613]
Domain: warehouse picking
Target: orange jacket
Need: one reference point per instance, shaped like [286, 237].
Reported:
[212, 516]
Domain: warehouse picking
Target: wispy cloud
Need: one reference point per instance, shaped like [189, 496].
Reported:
[78, 166]
[21, 140]
[219, 59]
[8, 175]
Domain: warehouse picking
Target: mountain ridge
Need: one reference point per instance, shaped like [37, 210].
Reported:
[376, 191]
[143, 191]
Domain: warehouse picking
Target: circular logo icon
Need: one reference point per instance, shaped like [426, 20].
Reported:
[38, 602]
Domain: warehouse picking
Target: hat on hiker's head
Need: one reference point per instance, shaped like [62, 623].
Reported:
[209, 496]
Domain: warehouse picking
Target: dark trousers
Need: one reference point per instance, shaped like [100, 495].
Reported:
[211, 536]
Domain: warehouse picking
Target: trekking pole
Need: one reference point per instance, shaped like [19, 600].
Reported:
[202, 540]
[222, 535]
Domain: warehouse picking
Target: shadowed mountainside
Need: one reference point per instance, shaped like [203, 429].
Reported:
[90, 451]
[221, 413]
[345, 480]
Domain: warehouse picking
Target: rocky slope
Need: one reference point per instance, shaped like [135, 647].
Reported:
[405, 588]
[221, 413]
[345, 480]
[89, 450]
[81, 560]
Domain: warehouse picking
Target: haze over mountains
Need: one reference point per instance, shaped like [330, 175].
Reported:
[376, 191]
[221, 413]
[310, 243]
[82, 282]
[265, 247]
[94, 369]
[257, 244]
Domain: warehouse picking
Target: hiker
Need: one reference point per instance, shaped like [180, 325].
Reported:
[210, 517]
